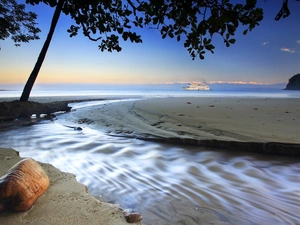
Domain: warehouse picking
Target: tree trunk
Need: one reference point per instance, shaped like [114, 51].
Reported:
[40, 60]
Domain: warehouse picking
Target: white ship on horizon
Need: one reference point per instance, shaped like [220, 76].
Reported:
[197, 86]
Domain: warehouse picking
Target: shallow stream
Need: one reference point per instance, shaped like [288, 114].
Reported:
[167, 184]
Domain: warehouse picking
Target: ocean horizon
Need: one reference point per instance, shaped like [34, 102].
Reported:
[149, 90]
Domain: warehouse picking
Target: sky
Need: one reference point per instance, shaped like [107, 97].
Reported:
[269, 54]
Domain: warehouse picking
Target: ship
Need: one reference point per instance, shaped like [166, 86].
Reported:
[197, 86]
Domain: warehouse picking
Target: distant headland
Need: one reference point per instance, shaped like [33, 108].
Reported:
[294, 83]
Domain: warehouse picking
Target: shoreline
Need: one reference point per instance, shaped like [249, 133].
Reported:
[265, 125]
[65, 202]
[257, 125]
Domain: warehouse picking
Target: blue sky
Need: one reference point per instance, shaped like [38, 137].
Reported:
[268, 54]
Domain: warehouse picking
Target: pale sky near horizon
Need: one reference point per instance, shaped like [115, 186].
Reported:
[268, 54]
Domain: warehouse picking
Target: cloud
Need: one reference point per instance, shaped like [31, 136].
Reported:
[287, 50]
[215, 82]
[265, 43]
[298, 42]
[236, 82]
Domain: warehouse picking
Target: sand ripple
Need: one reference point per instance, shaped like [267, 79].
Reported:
[168, 184]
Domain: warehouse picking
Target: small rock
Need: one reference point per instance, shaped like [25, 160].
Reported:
[133, 217]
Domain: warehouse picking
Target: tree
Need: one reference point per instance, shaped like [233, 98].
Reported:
[17, 23]
[30, 82]
[195, 22]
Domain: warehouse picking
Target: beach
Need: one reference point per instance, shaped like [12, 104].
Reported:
[203, 121]
[236, 119]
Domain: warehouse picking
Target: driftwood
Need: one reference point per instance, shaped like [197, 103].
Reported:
[23, 184]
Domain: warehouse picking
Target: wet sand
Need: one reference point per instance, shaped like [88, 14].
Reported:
[267, 124]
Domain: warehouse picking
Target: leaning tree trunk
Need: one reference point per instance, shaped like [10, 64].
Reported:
[39, 62]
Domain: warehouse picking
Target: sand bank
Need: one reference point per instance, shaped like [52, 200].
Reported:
[238, 119]
[65, 202]
[207, 120]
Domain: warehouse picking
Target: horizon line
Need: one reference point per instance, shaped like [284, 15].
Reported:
[152, 83]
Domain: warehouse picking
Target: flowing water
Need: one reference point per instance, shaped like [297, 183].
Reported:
[167, 184]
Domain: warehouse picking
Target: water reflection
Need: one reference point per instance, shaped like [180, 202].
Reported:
[168, 184]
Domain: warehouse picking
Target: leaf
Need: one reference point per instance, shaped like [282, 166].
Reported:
[125, 36]
[251, 3]
[209, 47]
[171, 35]
[120, 30]
[164, 29]
[227, 36]
[155, 20]
[231, 41]
[127, 26]
[231, 29]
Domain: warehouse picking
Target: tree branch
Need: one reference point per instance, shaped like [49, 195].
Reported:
[132, 6]
[86, 32]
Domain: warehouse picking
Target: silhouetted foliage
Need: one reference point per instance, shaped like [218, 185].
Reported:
[195, 22]
[16, 23]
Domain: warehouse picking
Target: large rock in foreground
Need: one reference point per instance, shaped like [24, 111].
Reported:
[294, 83]
[66, 202]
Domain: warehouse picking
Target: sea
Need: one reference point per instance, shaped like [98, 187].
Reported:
[149, 90]
[167, 184]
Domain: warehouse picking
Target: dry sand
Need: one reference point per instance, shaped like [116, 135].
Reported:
[230, 119]
[65, 202]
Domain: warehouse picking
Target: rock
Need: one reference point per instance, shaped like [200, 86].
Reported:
[294, 83]
[133, 217]
[16, 109]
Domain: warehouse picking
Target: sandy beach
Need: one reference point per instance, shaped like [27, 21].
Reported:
[238, 120]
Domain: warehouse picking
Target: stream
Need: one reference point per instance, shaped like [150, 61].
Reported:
[167, 184]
